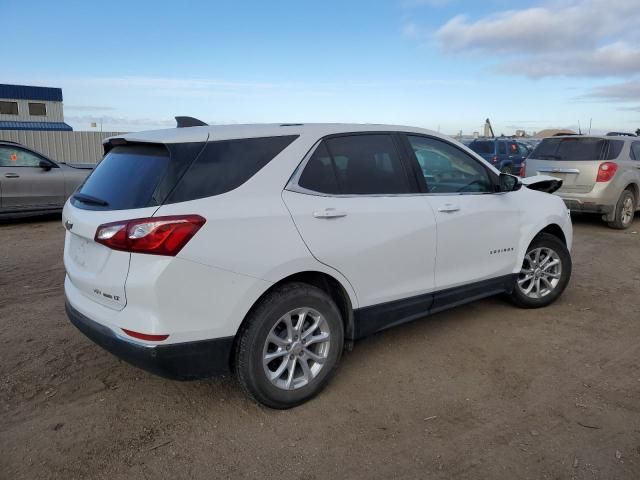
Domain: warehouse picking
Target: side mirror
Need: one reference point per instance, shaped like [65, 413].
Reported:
[509, 183]
[44, 165]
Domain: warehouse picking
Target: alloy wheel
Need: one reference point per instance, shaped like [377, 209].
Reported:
[626, 215]
[540, 274]
[296, 348]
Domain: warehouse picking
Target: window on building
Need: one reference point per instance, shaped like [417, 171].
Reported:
[9, 108]
[37, 109]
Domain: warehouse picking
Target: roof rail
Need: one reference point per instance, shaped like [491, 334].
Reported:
[183, 122]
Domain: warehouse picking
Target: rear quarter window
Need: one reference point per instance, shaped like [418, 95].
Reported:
[225, 165]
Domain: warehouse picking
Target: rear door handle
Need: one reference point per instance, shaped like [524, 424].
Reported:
[449, 208]
[329, 213]
[11, 175]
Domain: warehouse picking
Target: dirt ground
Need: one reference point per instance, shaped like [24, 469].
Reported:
[485, 391]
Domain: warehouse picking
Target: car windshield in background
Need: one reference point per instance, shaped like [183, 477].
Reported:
[482, 146]
[577, 148]
[126, 178]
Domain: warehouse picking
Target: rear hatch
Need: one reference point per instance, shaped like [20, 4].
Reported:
[575, 160]
[130, 182]
[484, 148]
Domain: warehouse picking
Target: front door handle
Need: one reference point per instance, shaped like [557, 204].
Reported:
[449, 208]
[329, 213]
[11, 175]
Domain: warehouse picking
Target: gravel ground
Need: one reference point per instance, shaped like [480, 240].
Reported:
[484, 391]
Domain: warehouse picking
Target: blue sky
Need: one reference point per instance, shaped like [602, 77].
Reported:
[444, 64]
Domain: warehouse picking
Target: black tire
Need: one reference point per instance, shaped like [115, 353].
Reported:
[253, 335]
[507, 169]
[546, 241]
[618, 221]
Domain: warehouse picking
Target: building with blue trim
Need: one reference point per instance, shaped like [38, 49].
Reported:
[24, 107]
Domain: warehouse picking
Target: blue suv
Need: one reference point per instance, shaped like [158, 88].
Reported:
[505, 154]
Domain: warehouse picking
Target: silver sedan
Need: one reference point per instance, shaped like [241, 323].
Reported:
[32, 184]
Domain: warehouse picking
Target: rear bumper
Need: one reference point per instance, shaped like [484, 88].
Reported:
[179, 361]
[588, 207]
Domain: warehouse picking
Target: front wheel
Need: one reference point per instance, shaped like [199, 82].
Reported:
[545, 272]
[289, 346]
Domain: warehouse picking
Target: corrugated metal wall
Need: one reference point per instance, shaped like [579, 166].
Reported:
[61, 146]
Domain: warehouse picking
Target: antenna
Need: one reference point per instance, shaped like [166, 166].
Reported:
[590, 125]
[579, 129]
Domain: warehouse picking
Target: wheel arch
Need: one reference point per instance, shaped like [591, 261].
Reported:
[633, 188]
[325, 282]
[555, 230]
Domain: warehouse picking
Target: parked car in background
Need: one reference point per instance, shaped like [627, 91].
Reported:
[263, 248]
[600, 174]
[32, 184]
[506, 154]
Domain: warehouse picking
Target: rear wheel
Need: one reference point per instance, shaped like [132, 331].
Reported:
[290, 345]
[507, 169]
[625, 211]
[545, 272]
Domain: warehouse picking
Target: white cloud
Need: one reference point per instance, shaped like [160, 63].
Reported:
[572, 38]
[616, 59]
[621, 92]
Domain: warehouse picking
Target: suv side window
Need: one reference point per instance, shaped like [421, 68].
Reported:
[635, 151]
[502, 148]
[224, 165]
[513, 148]
[447, 169]
[366, 164]
[16, 157]
[524, 151]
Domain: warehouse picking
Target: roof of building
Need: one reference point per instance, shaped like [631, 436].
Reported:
[228, 132]
[27, 92]
[6, 125]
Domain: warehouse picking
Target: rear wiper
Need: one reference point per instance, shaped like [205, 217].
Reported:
[549, 157]
[84, 198]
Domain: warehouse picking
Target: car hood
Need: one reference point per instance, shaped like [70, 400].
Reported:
[542, 183]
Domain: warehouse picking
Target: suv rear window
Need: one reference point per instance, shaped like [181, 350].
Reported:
[145, 175]
[577, 148]
[482, 146]
[125, 178]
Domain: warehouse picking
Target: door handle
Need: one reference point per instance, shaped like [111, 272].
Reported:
[329, 213]
[11, 175]
[449, 208]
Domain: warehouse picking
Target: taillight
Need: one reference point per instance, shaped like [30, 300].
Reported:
[154, 235]
[606, 171]
[523, 169]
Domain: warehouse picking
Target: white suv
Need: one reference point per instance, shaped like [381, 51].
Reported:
[264, 249]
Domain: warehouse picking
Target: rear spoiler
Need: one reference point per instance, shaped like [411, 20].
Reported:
[542, 183]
